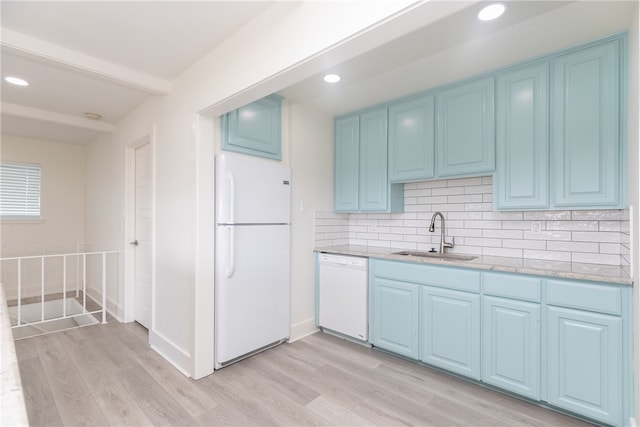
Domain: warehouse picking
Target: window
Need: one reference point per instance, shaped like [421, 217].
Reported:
[19, 191]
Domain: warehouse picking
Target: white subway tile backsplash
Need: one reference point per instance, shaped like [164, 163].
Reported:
[599, 236]
[472, 241]
[614, 215]
[464, 232]
[525, 244]
[483, 224]
[470, 216]
[609, 226]
[502, 216]
[573, 225]
[505, 252]
[548, 235]
[547, 215]
[610, 248]
[484, 207]
[433, 200]
[595, 258]
[418, 192]
[478, 189]
[447, 191]
[587, 236]
[502, 234]
[448, 207]
[517, 225]
[572, 246]
[547, 255]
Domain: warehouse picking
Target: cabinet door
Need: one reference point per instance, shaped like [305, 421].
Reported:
[586, 127]
[511, 345]
[411, 140]
[394, 316]
[450, 330]
[522, 138]
[347, 148]
[373, 185]
[255, 128]
[585, 363]
[465, 129]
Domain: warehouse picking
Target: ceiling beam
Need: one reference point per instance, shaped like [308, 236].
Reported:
[17, 110]
[22, 44]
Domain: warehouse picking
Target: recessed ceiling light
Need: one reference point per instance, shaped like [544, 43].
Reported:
[492, 11]
[16, 81]
[332, 78]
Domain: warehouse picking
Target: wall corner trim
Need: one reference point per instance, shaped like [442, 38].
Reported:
[177, 357]
[302, 329]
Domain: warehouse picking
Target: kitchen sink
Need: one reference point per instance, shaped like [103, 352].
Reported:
[437, 255]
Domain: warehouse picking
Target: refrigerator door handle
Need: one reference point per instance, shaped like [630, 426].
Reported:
[231, 266]
[232, 198]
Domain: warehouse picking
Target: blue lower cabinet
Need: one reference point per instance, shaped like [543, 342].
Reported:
[450, 330]
[394, 316]
[564, 342]
[511, 345]
[584, 360]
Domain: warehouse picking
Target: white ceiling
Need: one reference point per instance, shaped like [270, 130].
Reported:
[107, 57]
[461, 46]
[104, 57]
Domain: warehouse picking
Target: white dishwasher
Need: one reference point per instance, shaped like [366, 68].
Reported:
[343, 295]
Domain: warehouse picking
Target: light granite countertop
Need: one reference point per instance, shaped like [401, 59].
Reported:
[12, 407]
[567, 270]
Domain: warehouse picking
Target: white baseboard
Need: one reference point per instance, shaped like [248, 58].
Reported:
[303, 329]
[113, 308]
[180, 359]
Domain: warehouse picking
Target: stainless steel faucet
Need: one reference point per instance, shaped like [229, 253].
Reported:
[432, 227]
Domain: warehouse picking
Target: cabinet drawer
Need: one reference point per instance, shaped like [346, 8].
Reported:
[446, 277]
[512, 286]
[585, 296]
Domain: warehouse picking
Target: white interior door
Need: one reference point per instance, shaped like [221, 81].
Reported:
[143, 215]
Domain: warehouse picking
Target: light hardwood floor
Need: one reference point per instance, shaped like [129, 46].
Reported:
[107, 375]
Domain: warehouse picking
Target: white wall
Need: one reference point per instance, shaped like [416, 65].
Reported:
[268, 54]
[105, 200]
[311, 153]
[62, 197]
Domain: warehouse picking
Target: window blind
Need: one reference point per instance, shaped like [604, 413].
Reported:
[19, 190]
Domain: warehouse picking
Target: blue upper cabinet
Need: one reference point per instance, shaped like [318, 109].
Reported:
[361, 181]
[465, 129]
[373, 183]
[411, 139]
[255, 128]
[588, 169]
[521, 179]
[347, 159]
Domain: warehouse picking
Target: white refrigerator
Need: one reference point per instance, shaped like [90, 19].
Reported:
[252, 256]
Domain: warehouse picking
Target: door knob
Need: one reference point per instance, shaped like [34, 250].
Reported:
[134, 243]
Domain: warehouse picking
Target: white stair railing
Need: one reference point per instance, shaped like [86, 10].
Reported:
[20, 291]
